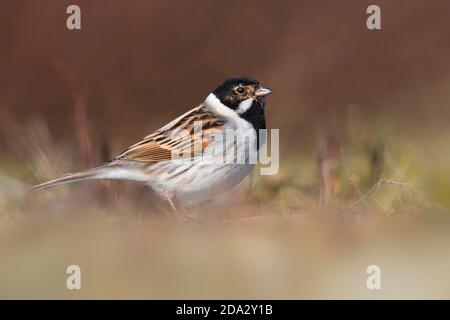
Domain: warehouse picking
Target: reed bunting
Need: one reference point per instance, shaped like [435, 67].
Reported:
[159, 160]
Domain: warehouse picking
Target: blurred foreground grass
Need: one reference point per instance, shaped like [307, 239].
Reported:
[273, 257]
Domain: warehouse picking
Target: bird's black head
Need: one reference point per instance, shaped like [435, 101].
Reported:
[239, 93]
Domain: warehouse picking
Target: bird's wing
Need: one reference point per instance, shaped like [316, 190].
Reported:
[181, 137]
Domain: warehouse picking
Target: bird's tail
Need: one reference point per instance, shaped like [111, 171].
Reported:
[95, 173]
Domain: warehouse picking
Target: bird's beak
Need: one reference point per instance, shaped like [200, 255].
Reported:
[261, 91]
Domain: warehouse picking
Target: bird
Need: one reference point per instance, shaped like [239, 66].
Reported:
[183, 161]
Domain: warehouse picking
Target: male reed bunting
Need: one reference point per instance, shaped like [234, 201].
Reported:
[159, 160]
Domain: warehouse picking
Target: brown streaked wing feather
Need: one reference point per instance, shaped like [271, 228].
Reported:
[159, 145]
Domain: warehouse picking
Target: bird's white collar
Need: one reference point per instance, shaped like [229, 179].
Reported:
[218, 107]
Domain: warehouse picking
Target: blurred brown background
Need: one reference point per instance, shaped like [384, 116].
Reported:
[138, 64]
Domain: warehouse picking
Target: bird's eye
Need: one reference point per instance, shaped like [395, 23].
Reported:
[240, 89]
